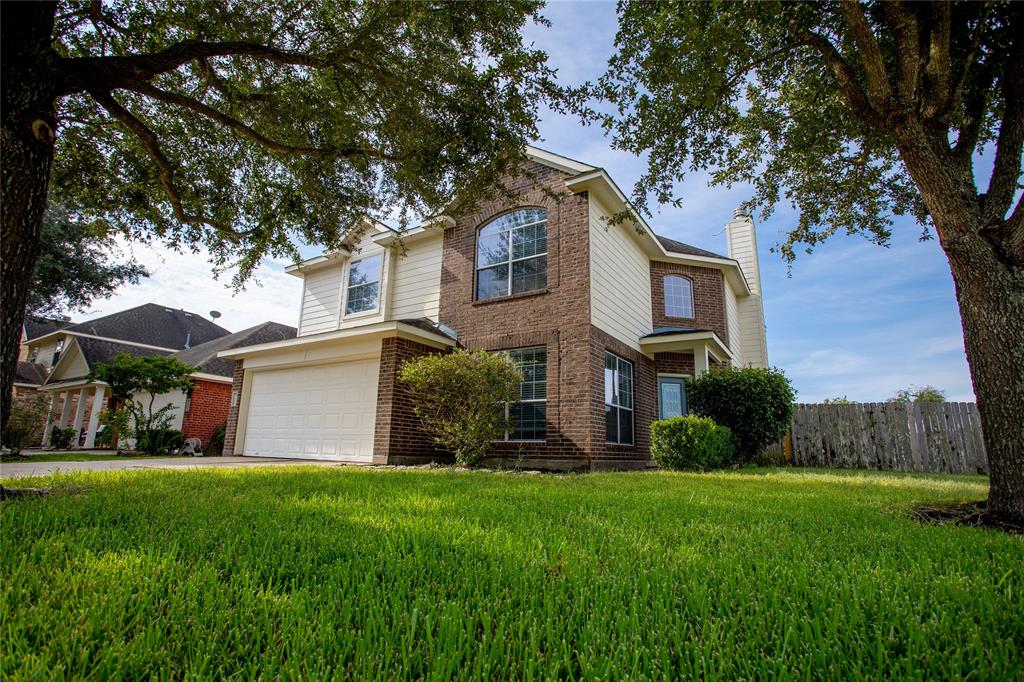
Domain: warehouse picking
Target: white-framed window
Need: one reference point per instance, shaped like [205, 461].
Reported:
[530, 414]
[512, 254]
[618, 400]
[363, 285]
[33, 354]
[678, 296]
[56, 352]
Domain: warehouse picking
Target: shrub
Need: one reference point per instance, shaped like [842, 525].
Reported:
[25, 425]
[756, 405]
[60, 438]
[160, 441]
[461, 397]
[691, 443]
[216, 444]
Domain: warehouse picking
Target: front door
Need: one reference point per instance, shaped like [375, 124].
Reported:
[671, 397]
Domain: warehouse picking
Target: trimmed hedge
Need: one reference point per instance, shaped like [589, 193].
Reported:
[691, 443]
[756, 405]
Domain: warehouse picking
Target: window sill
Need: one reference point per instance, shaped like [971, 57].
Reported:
[512, 297]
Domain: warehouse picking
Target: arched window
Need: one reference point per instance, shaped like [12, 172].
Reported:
[678, 296]
[512, 254]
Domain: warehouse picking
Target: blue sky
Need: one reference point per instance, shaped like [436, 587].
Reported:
[851, 319]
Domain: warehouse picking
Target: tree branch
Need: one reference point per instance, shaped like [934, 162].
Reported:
[248, 132]
[957, 91]
[111, 73]
[166, 172]
[847, 80]
[1006, 169]
[936, 68]
[879, 89]
[905, 32]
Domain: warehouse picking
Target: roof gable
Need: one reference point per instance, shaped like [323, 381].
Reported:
[205, 357]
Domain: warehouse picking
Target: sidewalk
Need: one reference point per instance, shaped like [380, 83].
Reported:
[19, 469]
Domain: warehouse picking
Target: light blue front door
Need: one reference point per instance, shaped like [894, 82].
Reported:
[671, 397]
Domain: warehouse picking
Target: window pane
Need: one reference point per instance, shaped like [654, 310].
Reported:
[611, 424]
[678, 296]
[529, 275]
[530, 240]
[362, 298]
[491, 248]
[518, 218]
[625, 384]
[611, 380]
[492, 282]
[365, 271]
[532, 362]
[626, 427]
[529, 420]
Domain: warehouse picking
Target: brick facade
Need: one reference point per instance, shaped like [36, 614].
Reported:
[557, 318]
[208, 408]
[398, 437]
[234, 401]
[708, 298]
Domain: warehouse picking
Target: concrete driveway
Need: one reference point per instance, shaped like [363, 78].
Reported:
[19, 469]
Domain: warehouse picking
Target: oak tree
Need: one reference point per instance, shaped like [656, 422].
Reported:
[249, 128]
[854, 112]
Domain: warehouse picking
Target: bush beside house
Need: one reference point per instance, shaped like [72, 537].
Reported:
[691, 443]
[755, 404]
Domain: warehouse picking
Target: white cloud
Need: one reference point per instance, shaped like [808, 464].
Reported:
[186, 280]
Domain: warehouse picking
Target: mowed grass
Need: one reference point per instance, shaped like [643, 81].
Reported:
[77, 457]
[436, 574]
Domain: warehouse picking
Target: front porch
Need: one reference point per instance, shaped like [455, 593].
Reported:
[73, 399]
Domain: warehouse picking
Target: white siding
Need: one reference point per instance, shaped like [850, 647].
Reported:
[742, 241]
[177, 415]
[321, 300]
[732, 322]
[620, 280]
[416, 277]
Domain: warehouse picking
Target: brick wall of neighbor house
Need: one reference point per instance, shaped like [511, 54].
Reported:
[708, 298]
[234, 400]
[558, 317]
[645, 404]
[207, 409]
[398, 437]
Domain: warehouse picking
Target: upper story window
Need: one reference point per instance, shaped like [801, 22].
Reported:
[56, 352]
[364, 284]
[512, 254]
[678, 296]
[33, 353]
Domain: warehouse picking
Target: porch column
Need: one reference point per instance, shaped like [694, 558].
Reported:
[50, 414]
[94, 418]
[65, 411]
[700, 360]
[79, 415]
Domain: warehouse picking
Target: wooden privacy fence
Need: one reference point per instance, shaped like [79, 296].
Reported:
[935, 437]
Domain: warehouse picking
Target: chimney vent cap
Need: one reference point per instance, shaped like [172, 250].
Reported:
[740, 212]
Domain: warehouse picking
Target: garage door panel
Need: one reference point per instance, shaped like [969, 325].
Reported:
[319, 412]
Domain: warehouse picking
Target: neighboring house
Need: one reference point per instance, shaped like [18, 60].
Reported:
[72, 352]
[32, 370]
[604, 320]
[204, 408]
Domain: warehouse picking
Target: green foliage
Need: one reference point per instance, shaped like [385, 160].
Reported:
[840, 400]
[61, 438]
[159, 440]
[113, 421]
[74, 266]
[26, 423]
[252, 127]
[216, 445]
[919, 394]
[461, 398]
[755, 404]
[440, 575]
[691, 443]
[136, 382]
[785, 97]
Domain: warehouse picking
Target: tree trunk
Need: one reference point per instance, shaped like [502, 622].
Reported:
[29, 124]
[990, 292]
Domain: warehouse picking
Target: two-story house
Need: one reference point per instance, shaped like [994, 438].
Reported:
[604, 318]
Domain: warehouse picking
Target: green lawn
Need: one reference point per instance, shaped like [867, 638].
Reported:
[76, 457]
[310, 573]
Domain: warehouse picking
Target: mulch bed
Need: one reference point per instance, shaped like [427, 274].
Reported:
[968, 514]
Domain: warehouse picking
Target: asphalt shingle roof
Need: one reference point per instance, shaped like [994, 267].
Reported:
[679, 247]
[30, 373]
[153, 325]
[205, 357]
[41, 326]
[665, 331]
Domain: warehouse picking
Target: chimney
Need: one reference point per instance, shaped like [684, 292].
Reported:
[741, 242]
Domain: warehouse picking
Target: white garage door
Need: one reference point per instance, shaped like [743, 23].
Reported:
[317, 412]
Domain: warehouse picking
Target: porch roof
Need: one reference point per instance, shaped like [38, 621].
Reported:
[684, 340]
